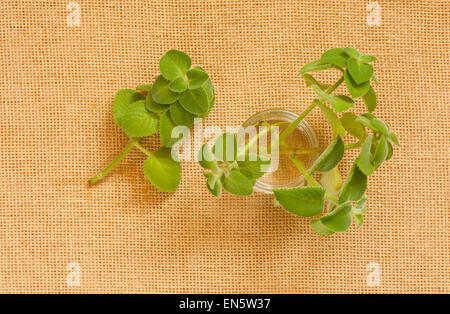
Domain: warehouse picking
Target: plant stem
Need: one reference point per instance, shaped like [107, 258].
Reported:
[142, 148]
[297, 121]
[310, 178]
[105, 171]
[296, 151]
[303, 170]
[294, 124]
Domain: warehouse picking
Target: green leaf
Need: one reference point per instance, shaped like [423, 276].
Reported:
[356, 90]
[315, 66]
[340, 103]
[352, 52]
[152, 106]
[181, 116]
[161, 92]
[354, 186]
[380, 126]
[122, 101]
[335, 123]
[253, 166]
[339, 220]
[302, 201]
[360, 72]
[144, 87]
[318, 227]
[178, 85]
[166, 127]
[138, 122]
[162, 171]
[360, 207]
[225, 147]
[330, 157]
[381, 151]
[214, 184]
[195, 101]
[359, 220]
[364, 160]
[238, 184]
[206, 158]
[196, 78]
[335, 56]
[174, 64]
[393, 138]
[209, 90]
[390, 151]
[370, 99]
[367, 58]
[310, 80]
[331, 181]
[353, 127]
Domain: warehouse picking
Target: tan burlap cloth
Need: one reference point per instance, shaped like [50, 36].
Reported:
[57, 84]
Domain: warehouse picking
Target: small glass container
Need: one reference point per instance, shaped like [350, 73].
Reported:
[286, 175]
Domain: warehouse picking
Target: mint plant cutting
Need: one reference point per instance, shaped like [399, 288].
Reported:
[180, 94]
[331, 202]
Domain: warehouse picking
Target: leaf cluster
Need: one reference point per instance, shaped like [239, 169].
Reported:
[179, 95]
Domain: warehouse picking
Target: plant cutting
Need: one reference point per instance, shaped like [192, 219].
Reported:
[177, 96]
[331, 202]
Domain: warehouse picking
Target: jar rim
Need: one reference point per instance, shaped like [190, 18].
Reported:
[303, 127]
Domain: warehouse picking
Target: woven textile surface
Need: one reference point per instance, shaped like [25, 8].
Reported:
[57, 84]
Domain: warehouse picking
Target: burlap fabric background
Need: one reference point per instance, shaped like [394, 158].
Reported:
[56, 93]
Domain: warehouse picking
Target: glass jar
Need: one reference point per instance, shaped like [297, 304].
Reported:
[286, 175]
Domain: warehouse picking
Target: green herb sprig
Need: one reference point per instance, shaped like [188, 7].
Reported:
[338, 202]
[180, 94]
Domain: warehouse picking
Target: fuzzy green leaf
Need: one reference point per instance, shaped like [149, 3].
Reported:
[360, 72]
[166, 127]
[367, 58]
[370, 99]
[196, 78]
[340, 103]
[174, 64]
[195, 101]
[122, 101]
[331, 180]
[180, 116]
[364, 160]
[359, 220]
[335, 123]
[315, 66]
[390, 151]
[214, 184]
[380, 126]
[161, 92]
[144, 87]
[318, 227]
[206, 158]
[302, 201]
[354, 186]
[339, 220]
[238, 184]
[330, 157]
[153, 106]
[352, 52]
[162, 171]
[353, 127]
[178, 85]
[138, 122]
[381, 151]
[335, 56]
[393, 138]
[253, 166]
[310, 80]
[356, 90]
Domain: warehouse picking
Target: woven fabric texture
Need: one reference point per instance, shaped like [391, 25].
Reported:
[57, 84]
